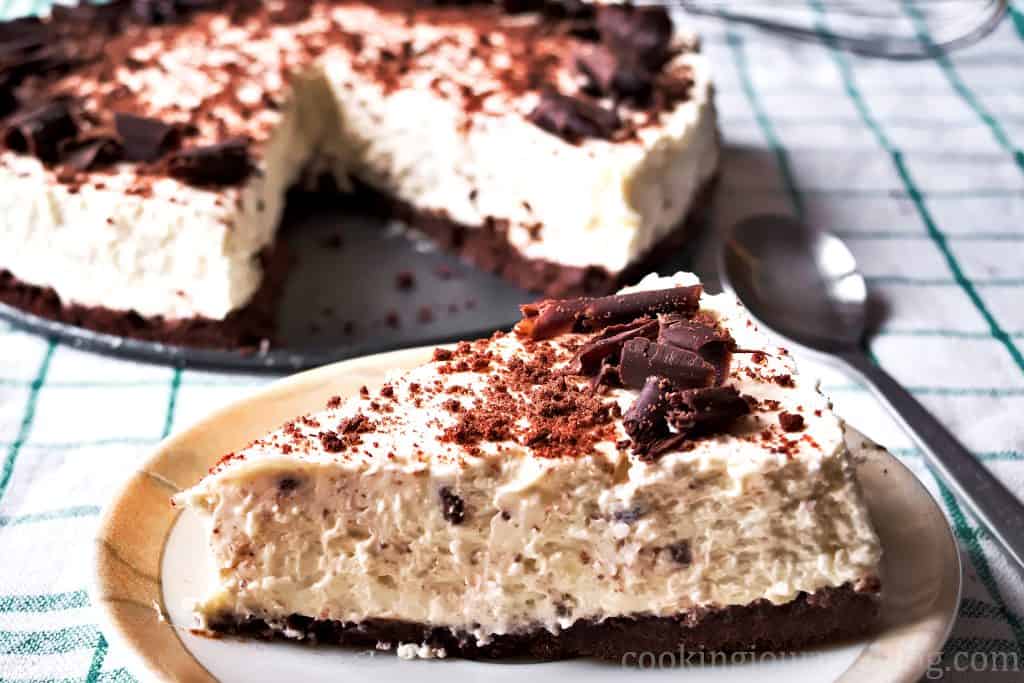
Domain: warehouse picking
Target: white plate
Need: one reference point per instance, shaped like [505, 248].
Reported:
[151, 564]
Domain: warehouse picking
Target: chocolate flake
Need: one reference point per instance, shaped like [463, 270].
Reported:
[642, 358]
[550, 318]
[608, 73]
[145, 139]
[224, 163]
[646, 424]
[641, 33]
[705, 411]
[607, 346]
[41, 130]
[572, 118]
[87, 153]
[619, 308]
[791, 422]
[453, 508]
[645, 419]
[713, 344]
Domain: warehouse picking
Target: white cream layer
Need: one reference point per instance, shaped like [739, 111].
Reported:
[546, 541]
[181, 252]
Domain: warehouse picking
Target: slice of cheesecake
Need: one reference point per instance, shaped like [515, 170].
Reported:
[637, 472]
[146, 147]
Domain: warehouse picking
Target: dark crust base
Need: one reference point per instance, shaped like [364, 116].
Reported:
[245, 328]
[826, 615]
[488, 248]
[253, 325]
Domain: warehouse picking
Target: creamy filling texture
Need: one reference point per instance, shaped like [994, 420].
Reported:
[179, 251]
[542, 541]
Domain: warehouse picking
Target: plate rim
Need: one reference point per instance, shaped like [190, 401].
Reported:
[306, 382]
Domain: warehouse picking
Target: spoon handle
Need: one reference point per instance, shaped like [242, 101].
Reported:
[998, 509]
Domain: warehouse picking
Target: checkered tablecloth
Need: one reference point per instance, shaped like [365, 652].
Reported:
[920, 166]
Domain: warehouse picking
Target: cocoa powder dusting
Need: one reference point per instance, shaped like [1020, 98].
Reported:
[529, 401]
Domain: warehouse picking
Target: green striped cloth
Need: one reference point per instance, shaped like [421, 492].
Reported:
[920, 166]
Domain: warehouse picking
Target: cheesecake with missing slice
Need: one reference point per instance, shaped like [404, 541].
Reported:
[638, 472]
[146, 147]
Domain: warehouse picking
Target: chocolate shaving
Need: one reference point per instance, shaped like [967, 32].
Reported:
[572, 118]
[607, 346]
[607, 375]
[291, 12]
[29, 47]
[690, 334]
[608, 73]
[642, 358]
[145, 139]
[40, 131]
[712, 343]
[550, 318]
[645, 419]
[791, 422]
[619, 308]
[157, 12]
[225, 163]
[705, 411]
[87, 153]
[640, 33]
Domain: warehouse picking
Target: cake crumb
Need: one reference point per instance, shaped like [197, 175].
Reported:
[424, 651]
[405, 280]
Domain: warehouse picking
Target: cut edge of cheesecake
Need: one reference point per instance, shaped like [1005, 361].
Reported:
[640, 472]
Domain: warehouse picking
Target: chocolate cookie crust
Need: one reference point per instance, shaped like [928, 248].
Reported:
[827, 614]
[246, 328]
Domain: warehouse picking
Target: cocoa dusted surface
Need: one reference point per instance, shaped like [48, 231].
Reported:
[825, 615]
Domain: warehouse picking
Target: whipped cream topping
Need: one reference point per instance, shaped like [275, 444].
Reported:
[447, 135]
[375, 508]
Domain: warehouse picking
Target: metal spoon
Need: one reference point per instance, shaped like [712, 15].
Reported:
[804, 284]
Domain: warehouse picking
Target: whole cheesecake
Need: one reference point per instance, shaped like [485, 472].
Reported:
[632, 473]
[147, 147]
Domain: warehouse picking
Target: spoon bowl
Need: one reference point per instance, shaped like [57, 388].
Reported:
[804, 284]
[801, 282]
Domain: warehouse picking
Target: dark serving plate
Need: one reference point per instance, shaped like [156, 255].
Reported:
[340, 291]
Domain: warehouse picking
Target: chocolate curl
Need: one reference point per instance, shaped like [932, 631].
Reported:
[551, 318]
[87, 153]
[610, 74]
[713, 344]
[40, 131]
[225, 163]
[607, 346]
[145, 139]
[572, 118]
[642, 358]
[640, 33]
[646, 416]
[645, 421]
[704, 411]
[620, 308]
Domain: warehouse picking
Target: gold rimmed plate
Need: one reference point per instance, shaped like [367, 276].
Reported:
[151, 564]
